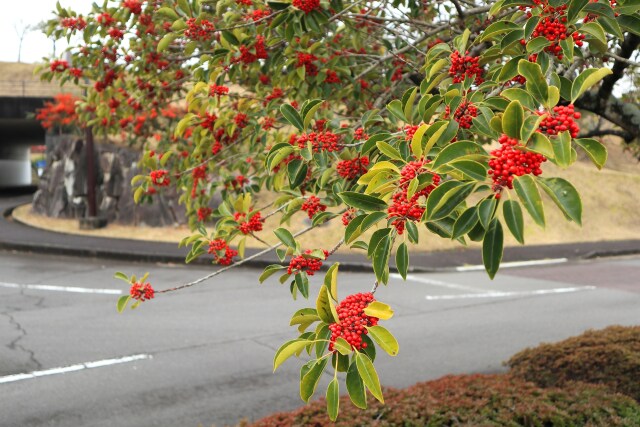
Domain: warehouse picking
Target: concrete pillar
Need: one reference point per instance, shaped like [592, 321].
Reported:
[15, 165]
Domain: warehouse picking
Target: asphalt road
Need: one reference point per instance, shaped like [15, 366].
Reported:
[203, 356]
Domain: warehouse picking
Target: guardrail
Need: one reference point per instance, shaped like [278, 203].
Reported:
[34, 89]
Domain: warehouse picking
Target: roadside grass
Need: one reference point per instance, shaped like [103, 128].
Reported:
[610, 212]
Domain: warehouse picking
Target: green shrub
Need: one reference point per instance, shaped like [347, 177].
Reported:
[475, 400]
[610, 357]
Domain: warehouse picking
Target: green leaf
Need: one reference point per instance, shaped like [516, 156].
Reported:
[369, 375]
[575, 7]
[304, 315]
[285, 237]
[529, 195]
[388, 150]
[292, 116]
[168, 13]
[380, 260]
[287, 350]
[497, 28]
[536, 45]
[342, 346]
[331, 281]
[380, 310]
[594, 149]
[385, 339]
[465, 222]
[416, 141]
[531, 123]
[455, 151]
[536, 84]
[402, 260]
[514, 219]
[492, 248]
[446, 198]
[408, 101]
[122, 276]
[565, 196]
[269, 271]
[517, 94]
[309, 110]
[562, 149]
[395, 108]
[363, 201]
[539, 143]
[355, 387]
[587, 79]
[333, 399]
[471, 169]
[486, 211]
[302, 284]
[122, 303]
[164, 43]
[324, 307]
[310, 379]
[513, 119]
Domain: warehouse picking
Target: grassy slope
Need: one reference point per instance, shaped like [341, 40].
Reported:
[610, 200]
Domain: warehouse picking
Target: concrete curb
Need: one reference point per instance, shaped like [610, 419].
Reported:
[115, 249]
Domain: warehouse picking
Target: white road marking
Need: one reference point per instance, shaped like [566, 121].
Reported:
[515, 264]
[72, 368]
[498, 294]
[435, 282]
[61, 289]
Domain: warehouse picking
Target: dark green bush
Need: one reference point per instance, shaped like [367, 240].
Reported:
[475, 400]
[610, 357]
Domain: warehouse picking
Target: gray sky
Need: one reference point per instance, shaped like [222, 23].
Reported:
[30, 12]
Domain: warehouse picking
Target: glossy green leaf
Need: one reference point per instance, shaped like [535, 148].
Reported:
[447, 197]
[513, 119]
[363, 201]
[388, 150]
[342, 346]
[324, 306]
[515, 220]
[456, 151]
[596, 151]
[122, 302]
[292, 116]
[565, 196]
[355, 387]
[586, 80]
[465, 222]
[333, 399]
[529, 195]
[331, 280]
[309, 381]
[287, 350]
[562, 149]
[384, 339]
[380, 310]
[402, 260]
[536, 83]
[285, 237]
[486, 211]
[369, 375]
[492, 246]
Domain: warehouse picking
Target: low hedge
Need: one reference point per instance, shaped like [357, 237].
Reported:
[610, 357]
[475, 400]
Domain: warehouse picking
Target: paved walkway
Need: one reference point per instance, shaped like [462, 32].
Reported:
[19, 237]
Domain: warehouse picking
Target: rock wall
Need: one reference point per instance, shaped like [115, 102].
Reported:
[62, 192]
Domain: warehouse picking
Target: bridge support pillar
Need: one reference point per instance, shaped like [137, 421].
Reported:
[15, 165]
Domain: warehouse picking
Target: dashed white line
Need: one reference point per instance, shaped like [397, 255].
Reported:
[435, 282]
[73, 368]
[61, 288]
[515, 264]
[497, 294]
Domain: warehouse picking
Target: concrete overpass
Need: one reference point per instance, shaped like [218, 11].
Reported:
[17, 134]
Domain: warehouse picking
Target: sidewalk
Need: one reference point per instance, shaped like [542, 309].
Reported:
[19, 237]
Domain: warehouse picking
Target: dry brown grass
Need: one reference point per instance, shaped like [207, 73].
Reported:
[610, 200]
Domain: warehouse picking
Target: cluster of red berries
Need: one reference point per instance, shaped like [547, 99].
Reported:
[553, 27]
[409, 131]
[222, 253]
[352, 321]
[141, 291]
[401, 205]
[306, 60]
[268, 123]
[214, 90]
[511, 160]
[204, 213]
[241, 120]
[58, 65]
[465, 66]
[464, 114]
[348, 215]
[135, 6]
[398, 70]
[562, 119]
[276, 93]
[247, 57]
[115, 33]
[201, 30]
[312, 206]
[105, 19]
[74, 23]
[259, 14]
[332, 77]
[160, 178]
[307, 6]
[300, 263]
[360, 135]
[208, 121]
[253, 224]
[327, 141]
[354, 168]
